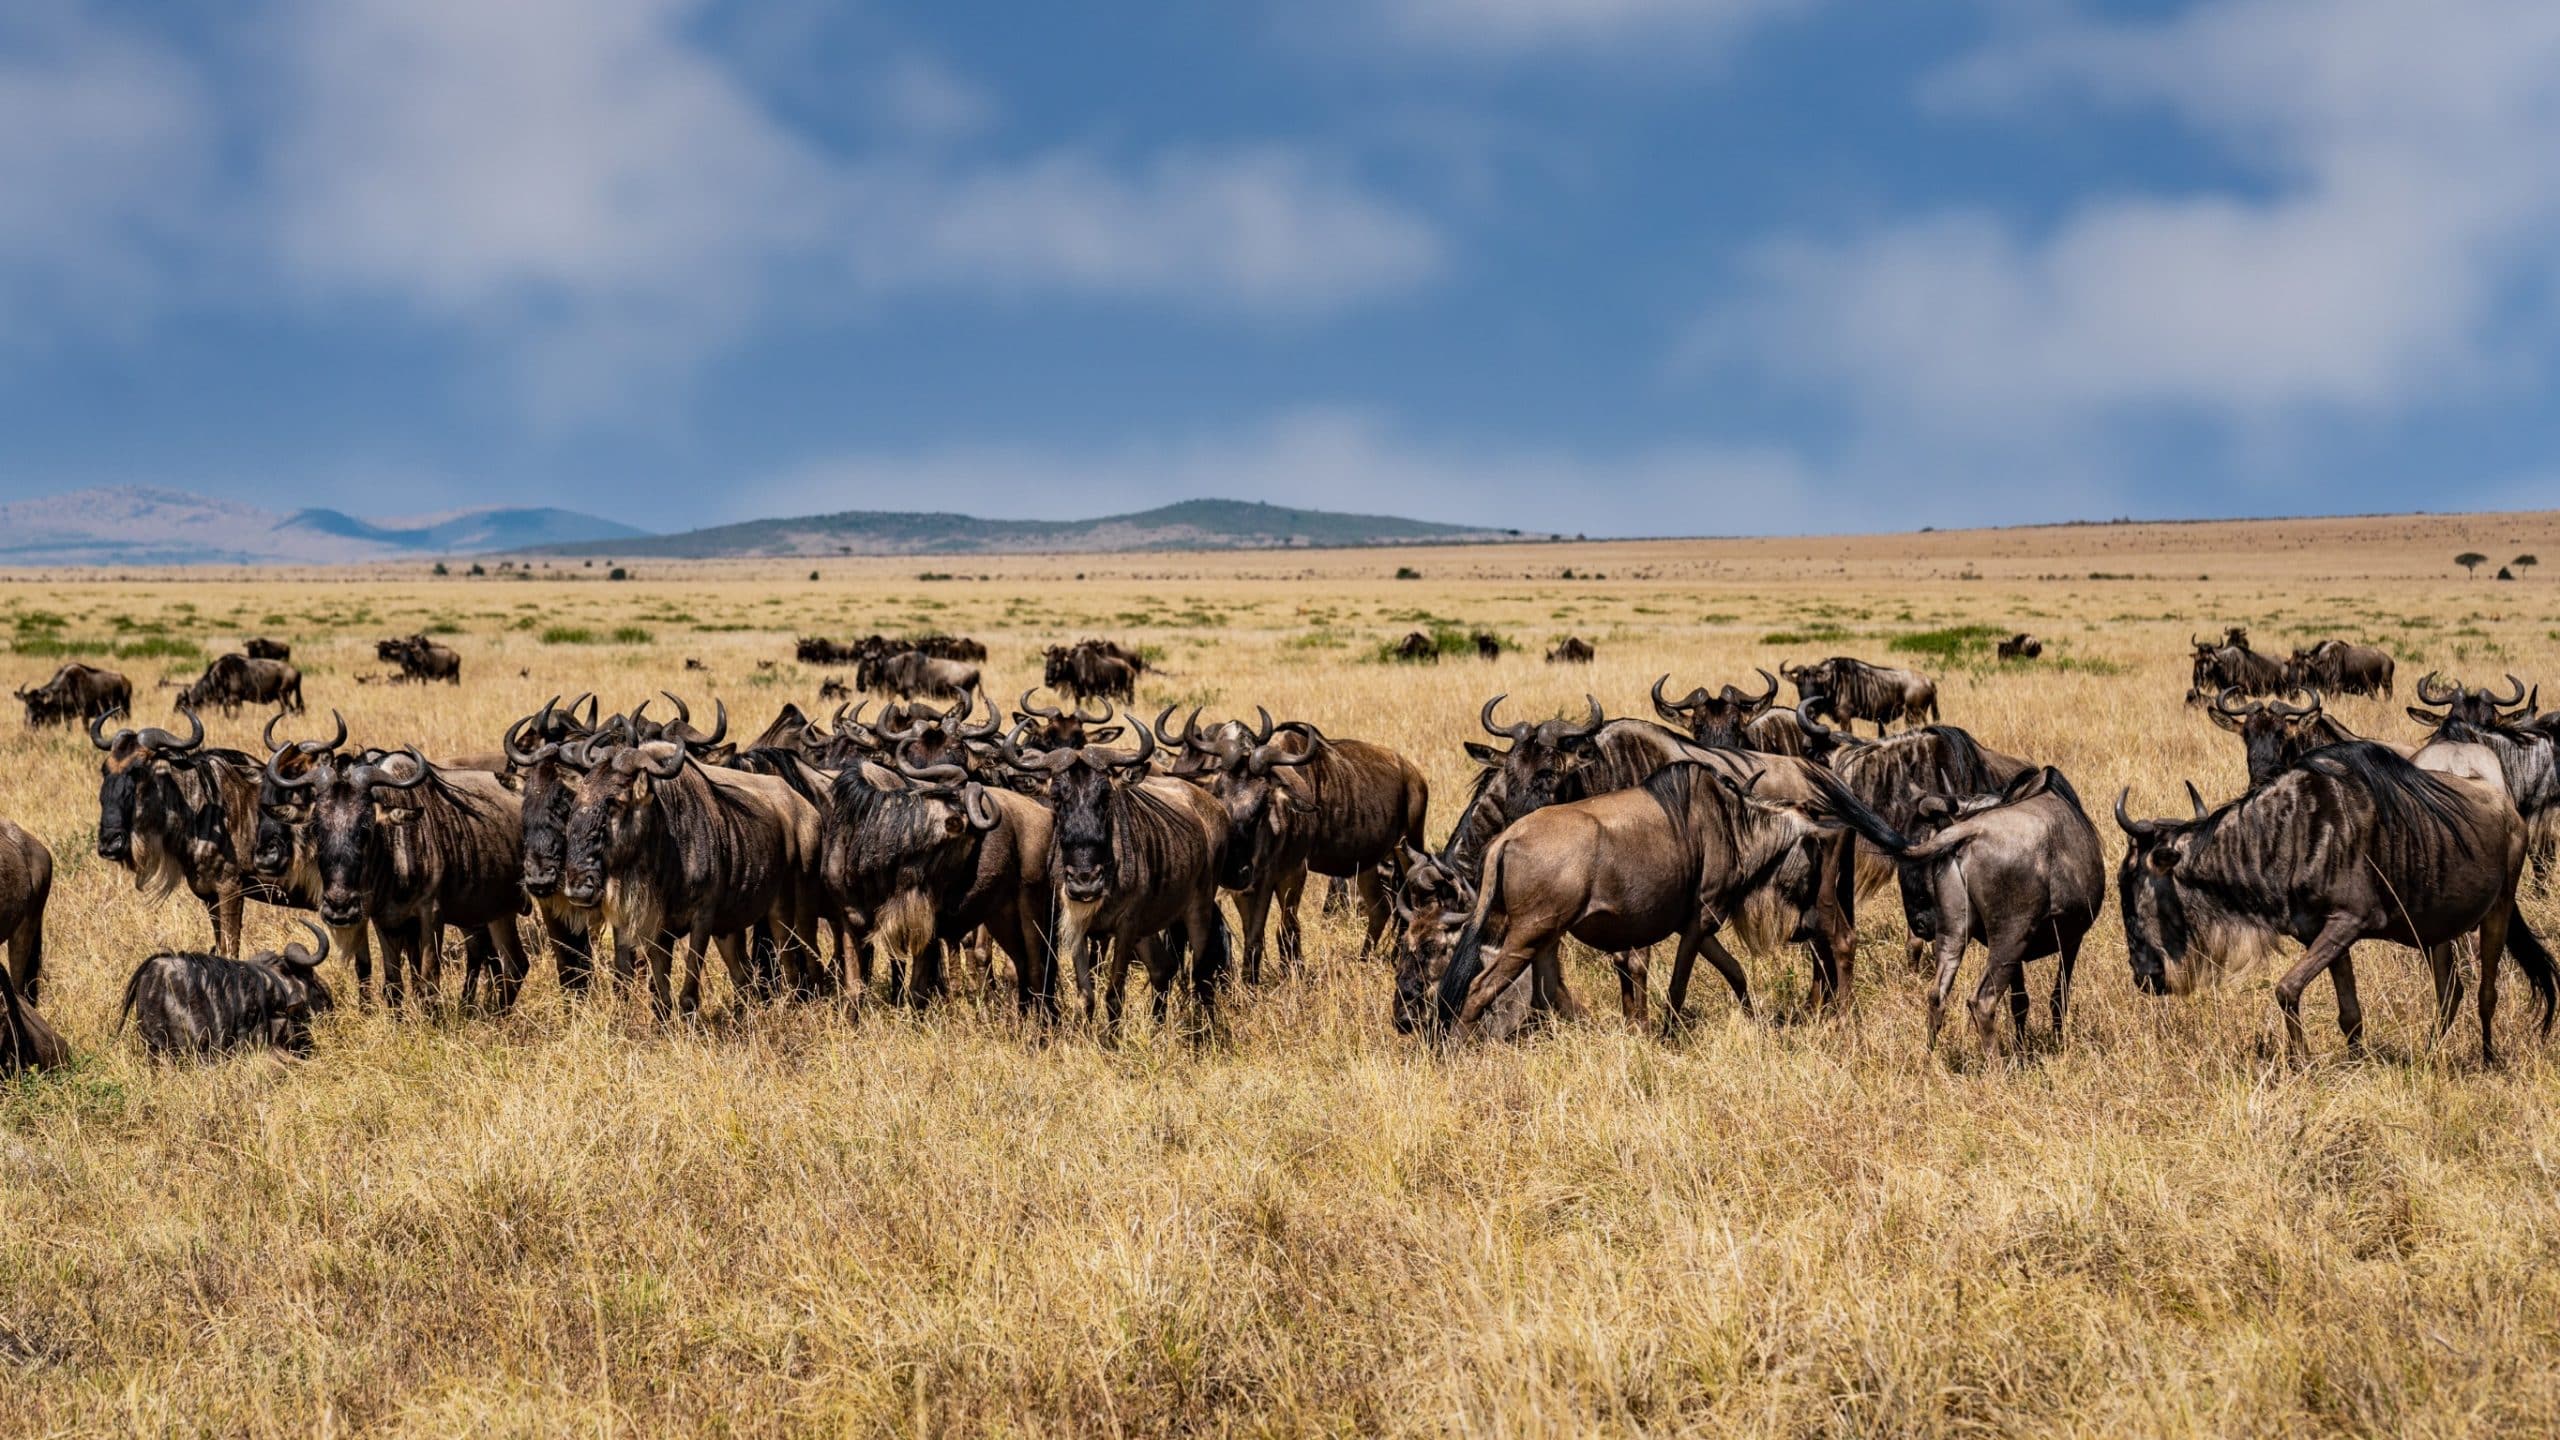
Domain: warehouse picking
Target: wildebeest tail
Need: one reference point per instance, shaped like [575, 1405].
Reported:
[132, 993]
[1466, 960]
[2534, 959]
[1839, 804]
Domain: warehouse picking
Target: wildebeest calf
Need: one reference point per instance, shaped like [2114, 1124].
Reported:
[186, 1003]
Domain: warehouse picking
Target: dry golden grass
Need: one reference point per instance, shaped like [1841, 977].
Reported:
[575, 1220]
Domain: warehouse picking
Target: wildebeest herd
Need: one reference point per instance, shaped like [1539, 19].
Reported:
[848, 859]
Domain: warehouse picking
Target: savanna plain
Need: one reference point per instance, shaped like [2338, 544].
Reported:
[787, 1220]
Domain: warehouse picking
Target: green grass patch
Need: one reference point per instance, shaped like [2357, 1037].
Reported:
[1953, 644]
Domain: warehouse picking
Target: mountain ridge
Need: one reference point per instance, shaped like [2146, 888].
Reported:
[152, 525]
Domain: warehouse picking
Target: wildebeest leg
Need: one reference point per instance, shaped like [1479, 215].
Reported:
[479, 956]
[2493, 949]
[926, 982]
[2342, 979]
[1547, 970]
[2068, 956]
[689, 999]
[2331, 943]
[1373, 904]
[1337, 896]
[2446, 968]
[430, 953]
[743, 979]
[26, 950]
[395, 981]
[1253, 913]
[2019, 1004]
[1208, 959]
[1835, 928]
[660, 955]
[513, 962]
[225, 910]
[570, 954]
[1512, 956]
[1635, 986]
[1164, 957]
[1115, 980]
[1293, 951]
[1951, 943]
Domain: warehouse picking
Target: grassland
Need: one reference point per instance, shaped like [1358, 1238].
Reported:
[575, 1220]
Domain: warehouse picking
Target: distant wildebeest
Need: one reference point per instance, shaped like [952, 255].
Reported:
[76, 694]
[2229, 666]
[692, 664]
[1678, 855]
[1722, 720]
[172, 811]
[1093, 670]
[232, 681]
[2353, 843]
[811, 650]
[1134, 859]
[949, 647]
[1488, 645]
[1853, 690]
[26, 1041]
[259, 647]
[1571, 650]
[2274, 733]
[2340, 668]
[1417, 646]
[420, 658]
[2021, 646]
[26, 883]
[2017, 872]
[189, 1004]
[912, 672]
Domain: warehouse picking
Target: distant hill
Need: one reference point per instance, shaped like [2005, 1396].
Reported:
[145, 525]
[1188, 525]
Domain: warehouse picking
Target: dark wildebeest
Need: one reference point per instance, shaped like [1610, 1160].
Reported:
[1853, 690]
[2476, 706]
[670, 850]
[1892, 775]
[1417, 646]
[26, 1041]
[420, 658]
[813, 651]
[1722, 720]
[1297, 800]
[411, 849]
[2354, 843]
[2021, 646]
[933, 859]
[1050, 728]
[26, 883]
[2017, 872]
[1093, 669]
[204, 1005]
[2527, 752]
[282, 856]
[2341, 669]
[170, 810]
[1571, 650]
[259, 647]
[1677, 855]
[2233, 667]
[931, 738]
[2275, 734]
[834, 688]
[950, 647]
[1134, 860]
[76, 694]
[547, 788]
[1488, 645]
[236, 680]
[912, 672]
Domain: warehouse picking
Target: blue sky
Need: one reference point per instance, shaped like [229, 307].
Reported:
[1615, 266]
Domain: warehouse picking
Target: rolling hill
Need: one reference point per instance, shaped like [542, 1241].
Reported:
[146, 525]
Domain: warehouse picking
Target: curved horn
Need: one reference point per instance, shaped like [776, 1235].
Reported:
[158, 739]
[2222, 704]
[513, 743]
[1517, 730]
[980, 810]
[2432, 691]
[276, 775]
[1020, 759]
[1083, 718]
[1598, 718]
[2195, 799]
[673, 766]
[97, 722]
[593, 705]
[1105, 759]
[1674, 709]
[719, 723]
[684, 712]
[2515, 693]
[371, 775]
[933, 774]
[1045, 712]
[2296, 712]
[2138, 829]
[1769, 696]
[317, 934]
[1263, 735]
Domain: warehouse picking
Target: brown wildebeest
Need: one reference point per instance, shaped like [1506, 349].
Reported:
[949, 647]
[1721, 720]
[170, 810]
[834, 688]
[1488, 645]
[205, 1005]
[2341, 668]
[259, 647]
[1093, 669]
[1678, 855]
[814, 651]
[1432, 905]
[1892, 775]
[2476, 706]
[1134, 860]
[1571, 650]
[2274, 734]
[2021, 646]
[1416, 646]
[232, 681]
[420, 658]
[1051, 728]
[912, 672]
[77, 693]
[2018, 873]
[2354, 843]
[26, 1041]
[26, 883]
[1853, 690]
[2230, 666]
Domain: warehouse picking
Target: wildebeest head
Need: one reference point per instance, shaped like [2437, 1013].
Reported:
[1546, 760]
[612, 823]
[933, 737]
[1432, 906]
[1813, 682]
[346, 810]
[284, 809]
[1051, 728]
[2471, 707]
[707, 745]
[2159, 933]
[1084, 784]
[548, 785]
[1718, 719]
[2272, 733]
[137, 786]
[1244, 775]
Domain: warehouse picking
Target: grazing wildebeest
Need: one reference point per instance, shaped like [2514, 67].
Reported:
[813, 651]
[2353, 843]
[1677, 855]
[1417, 646]
[1853, 690]
[933, 859]
[912, 672]
[1571, 650]
[2233, 667]
[1134, 860]
[2021, 646]
[1488, 645]
[2274, 734]
[1432, 904]
[76, 694]
[670, 850]
[2017, 872]
[1722, 720]
[1093, 669]
[232, 681]
[420, 658]
[1892, 775]
[26, 1041]
[949, 647]
[834, 688]
[2341, 669]
[26, 883]
[410, 849]
[259, 647]
[203, 1005]
[170, 810]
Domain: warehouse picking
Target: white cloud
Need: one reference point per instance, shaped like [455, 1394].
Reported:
[2405, 196]
[1332, 460]
[927, 100]
[1512, 26]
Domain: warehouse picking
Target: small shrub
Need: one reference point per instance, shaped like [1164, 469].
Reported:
[1407, 572]
[440, 569]
[477, 569]
[1954, 643]
[630, 635]
[618, 573]
[568, 635]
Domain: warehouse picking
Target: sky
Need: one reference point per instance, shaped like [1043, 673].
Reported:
[1601, 266]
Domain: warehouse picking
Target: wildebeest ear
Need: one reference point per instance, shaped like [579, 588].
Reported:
[1104, 735]
[1935, 809]
[2028, 784]
[2426, 718]
[511, 779]
[2227, 722]
[1480, 752]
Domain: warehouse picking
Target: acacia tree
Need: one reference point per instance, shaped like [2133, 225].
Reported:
[2471, 560]
[2524, 562]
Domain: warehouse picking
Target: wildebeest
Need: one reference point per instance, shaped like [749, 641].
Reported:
[203, 1005]
[2274, 733]
[2017, 872]
[26, 883]
[949, 647]
[1093, 669]
[2477, 705]
[1853, 690]
[2353, 843]
[232, 681]
[912, 672]
[76, 694]
[1571, 650]
[409, 848]
[834, 688]
[259, 647]
[1416, 646]
[546, 789]
[2229, 666]
[1432, 905]
[420, 658]
[1134, 860]
[1488, 645]
[170, 810]
[814, 651]
[1892, 775]
[1723, 719]
[1050, 728]
[2341, 668]
[2021, 646]
[26, 1041]
[1677, 855]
